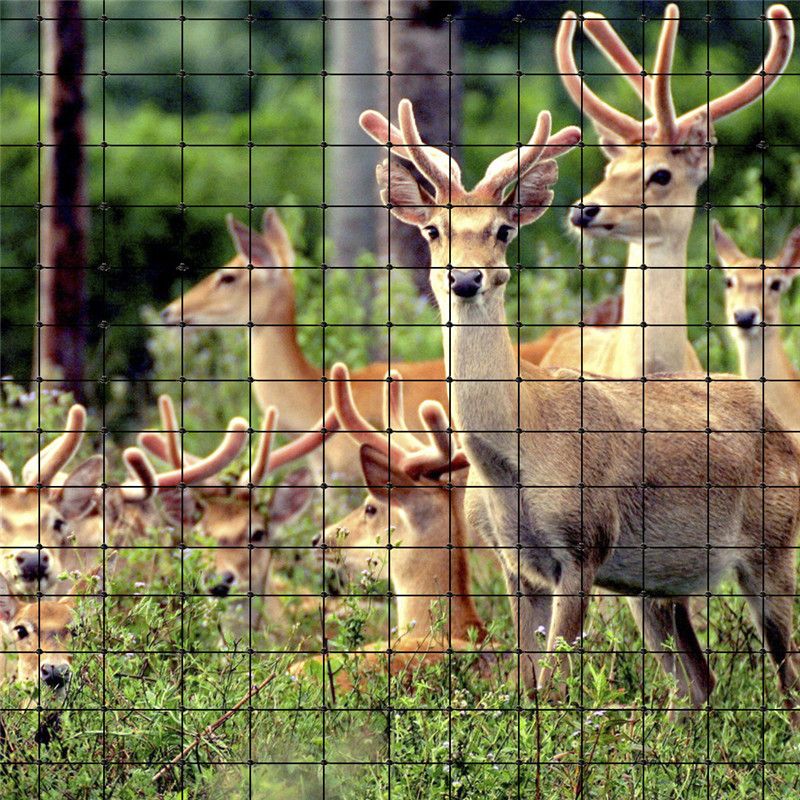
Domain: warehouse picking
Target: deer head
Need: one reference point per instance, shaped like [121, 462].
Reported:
[656, 165]
[225, 296]
[754, 288]
[468, 232]
[242, 528]
[421, 510]
[32, 525]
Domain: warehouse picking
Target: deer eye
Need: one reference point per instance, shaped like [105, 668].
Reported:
[729, 283]
[503, 232]
[227, 277]
[21, 631]
[58, 524]
[258, 535]
[432, 231]
[776, 285]
[370, 510]
[661, 176]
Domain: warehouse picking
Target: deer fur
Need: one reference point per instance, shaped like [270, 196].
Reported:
[633, 203]
[564, 483]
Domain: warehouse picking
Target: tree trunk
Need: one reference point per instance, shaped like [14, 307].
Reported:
[423, 46]
[62, 279]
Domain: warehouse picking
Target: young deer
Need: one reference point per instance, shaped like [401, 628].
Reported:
[32, 526]
[420, 517]
[563, 480]
[283, 376]
[753, 301]
[241, 527]
[648, 196]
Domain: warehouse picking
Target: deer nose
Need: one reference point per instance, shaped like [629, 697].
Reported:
[745, 319]
[465, 284]
[33, 564]
[582, 216]
[56, 676]
[223, 587]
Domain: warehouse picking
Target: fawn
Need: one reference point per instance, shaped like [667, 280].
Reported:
[653, 490]
[753, 302]
[649, 194]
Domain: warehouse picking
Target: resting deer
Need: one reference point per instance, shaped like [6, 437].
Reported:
[283, 376]
[241, 527]
[649, 194]
[753, 301]
[563, 481]
[421, 517]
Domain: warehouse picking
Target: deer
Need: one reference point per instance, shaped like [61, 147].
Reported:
[418, 513]
[654, 490]
[282, 374]
[649, 193]
[241, 527]
[753, 303]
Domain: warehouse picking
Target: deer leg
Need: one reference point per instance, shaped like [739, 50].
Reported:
[701, 677]
[772, 616]
[531, 609]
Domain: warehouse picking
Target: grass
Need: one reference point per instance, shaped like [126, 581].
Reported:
[153, 668]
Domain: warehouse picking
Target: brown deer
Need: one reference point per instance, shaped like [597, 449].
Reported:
[282, 374]
[653, 490]
[241, 527]
[420, 519]
[649, 194]
[753, 301]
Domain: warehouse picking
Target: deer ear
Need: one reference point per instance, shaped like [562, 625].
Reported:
[610, 144]
[8, 603]
[291, 497]
[533, 194]
[276, 237]
[79, 494]
[377, 473]
[789, 259]
[727, 251]
[180, 507]
[249, 245]
[410, 202]
[694, 136]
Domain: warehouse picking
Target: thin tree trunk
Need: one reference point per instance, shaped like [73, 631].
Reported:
[64, 220]
[423, 46]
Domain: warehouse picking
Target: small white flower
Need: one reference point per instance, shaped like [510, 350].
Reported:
[541, 630]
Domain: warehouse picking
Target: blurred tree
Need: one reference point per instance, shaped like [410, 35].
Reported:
[423, 44]
[64, 218]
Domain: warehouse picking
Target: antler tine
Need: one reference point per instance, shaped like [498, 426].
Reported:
[153, 443]
[232, 444]
[423, 156]
[254, 474]
[169, 429]
[43, 467]
[599, 111]
[663, 105]
[144, 480]
[609, 43]
[780, 51]
[354, 423]
[376, 126]
[306, 443]
[439, 457]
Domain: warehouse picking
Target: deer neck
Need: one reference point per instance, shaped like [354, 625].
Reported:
[284, 377]
[446, 570]
[656, 296]
[762, 354]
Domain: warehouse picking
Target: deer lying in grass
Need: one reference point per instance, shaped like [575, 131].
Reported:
[242, 528]
[283, 376]
[753, 302]
[421, 518]
[648, 196]
[564, 481]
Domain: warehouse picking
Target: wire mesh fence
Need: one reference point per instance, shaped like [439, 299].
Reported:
[398, 399]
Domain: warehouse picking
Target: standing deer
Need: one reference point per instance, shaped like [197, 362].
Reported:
[282, 375]
[753, 301]
[655, 491]
[649, 194]
[421, 518]
[241, 527]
